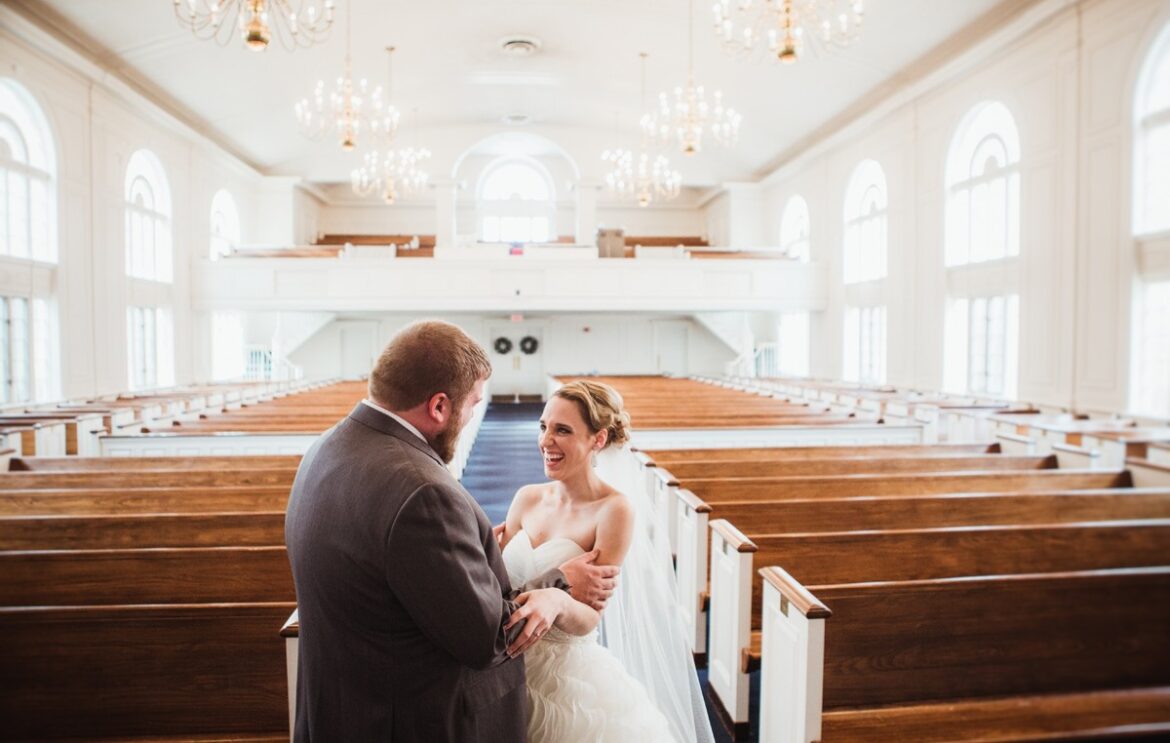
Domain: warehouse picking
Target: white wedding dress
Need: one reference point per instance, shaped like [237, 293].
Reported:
[578, 692]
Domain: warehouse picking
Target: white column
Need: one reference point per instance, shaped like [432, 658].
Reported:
[445, 200]
[745, 215]
[587, 212]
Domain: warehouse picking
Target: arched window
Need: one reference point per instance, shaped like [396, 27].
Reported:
[865, 224]
[148, 219]
[517, 202]
[225, 224]
[1150, 379]
[794, 229]
[28, 177]
[983, 187]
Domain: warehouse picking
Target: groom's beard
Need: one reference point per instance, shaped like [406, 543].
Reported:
[447, 439]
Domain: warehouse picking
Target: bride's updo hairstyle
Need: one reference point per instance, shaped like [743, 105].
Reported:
[602, 408]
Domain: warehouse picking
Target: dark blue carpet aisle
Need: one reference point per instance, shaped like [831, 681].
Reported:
[505, 456]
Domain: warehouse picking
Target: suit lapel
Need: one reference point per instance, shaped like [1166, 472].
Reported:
[371, 418]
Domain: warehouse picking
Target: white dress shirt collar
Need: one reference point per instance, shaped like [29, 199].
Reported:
[404, 423]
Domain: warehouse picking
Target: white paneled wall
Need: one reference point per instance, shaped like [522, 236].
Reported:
[1067, 72]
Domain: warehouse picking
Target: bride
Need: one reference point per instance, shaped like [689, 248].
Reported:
[640, 685]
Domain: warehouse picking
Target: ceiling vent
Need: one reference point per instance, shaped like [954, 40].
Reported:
[517, 119]
[519, 46]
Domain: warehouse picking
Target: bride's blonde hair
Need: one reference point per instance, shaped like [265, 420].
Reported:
[601, 407]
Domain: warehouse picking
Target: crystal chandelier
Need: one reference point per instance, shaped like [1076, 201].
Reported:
[392, 173]
[301, 26]
[645, 176]
[686, 118]
[781, 26]
[348, 111]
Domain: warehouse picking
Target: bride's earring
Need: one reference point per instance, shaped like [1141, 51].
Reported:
[594, 459]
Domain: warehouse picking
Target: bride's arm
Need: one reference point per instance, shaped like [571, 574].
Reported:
[615, 529]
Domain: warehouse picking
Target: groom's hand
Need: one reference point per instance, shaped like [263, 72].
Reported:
[538, 610]
[498, 533]
[589, 583]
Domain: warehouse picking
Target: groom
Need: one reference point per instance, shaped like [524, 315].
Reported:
[401, 589]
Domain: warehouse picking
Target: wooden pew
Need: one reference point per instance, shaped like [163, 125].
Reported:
[664, 457]
[138, 531]
[692, 511]
[904, 554]
[145, 478]
[149, 500]
[189, 575]
[835, 466]
[125, 671]
[74, 464]
[1071, 655]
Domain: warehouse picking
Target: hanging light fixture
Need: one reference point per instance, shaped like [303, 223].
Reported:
[302, 25]
[686, 118]
[644, 176]
[782, 26]
[392, 173]
[348, 111]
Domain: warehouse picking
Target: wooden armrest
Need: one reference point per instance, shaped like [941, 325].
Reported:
[750, 657]
[693, 502]
[794, 593]
[1069, 448]
[1146, 464]
[1016, 438]
[732, 536]
[665, 476]
[644, 459]
[292, 627]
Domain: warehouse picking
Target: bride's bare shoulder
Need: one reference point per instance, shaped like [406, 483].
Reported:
[616, 507]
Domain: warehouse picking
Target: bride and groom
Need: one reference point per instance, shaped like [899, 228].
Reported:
[422, 622]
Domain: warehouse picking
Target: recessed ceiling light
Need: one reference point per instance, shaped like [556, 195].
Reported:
[520, 46]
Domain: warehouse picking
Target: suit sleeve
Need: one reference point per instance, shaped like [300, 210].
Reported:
[437, 567]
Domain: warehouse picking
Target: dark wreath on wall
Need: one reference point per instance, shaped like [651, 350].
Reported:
[503, 345]
[528, 345]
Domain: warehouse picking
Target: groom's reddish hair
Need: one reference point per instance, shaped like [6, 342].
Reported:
[424, 359]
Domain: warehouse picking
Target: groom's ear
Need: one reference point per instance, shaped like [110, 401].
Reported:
[439, 407]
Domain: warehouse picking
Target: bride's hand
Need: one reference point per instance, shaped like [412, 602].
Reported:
[539, 609]
[589, 583]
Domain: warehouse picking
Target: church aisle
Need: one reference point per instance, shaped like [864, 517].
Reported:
[505, 457]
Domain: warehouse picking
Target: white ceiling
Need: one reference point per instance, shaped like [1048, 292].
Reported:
[448, 65]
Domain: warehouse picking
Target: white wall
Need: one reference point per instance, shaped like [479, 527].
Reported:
[572, 344]
[1068, 81]
[96, 126]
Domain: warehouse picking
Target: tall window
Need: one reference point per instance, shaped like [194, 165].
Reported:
[1152, 141]
[150, 344]
[15, 346]
[794, 229]
[516, 202]
[982, 345]
[148, 219]
[228, 354]
[794, 344]
[28, 174]
[1151, 338]
[1150, 358]
[865, 224]
[983, 188]
[865, 344]
[29, 363]
[225, 224]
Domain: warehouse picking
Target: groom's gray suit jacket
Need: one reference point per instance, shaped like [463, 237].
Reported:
[402, 594]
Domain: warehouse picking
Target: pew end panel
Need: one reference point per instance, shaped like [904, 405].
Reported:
[665, 506]
[691, 566]
[291, 632]
[1148, 474]
[732, 556]
[793, 646]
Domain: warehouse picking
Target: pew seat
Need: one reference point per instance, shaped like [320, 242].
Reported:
[119, 672]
